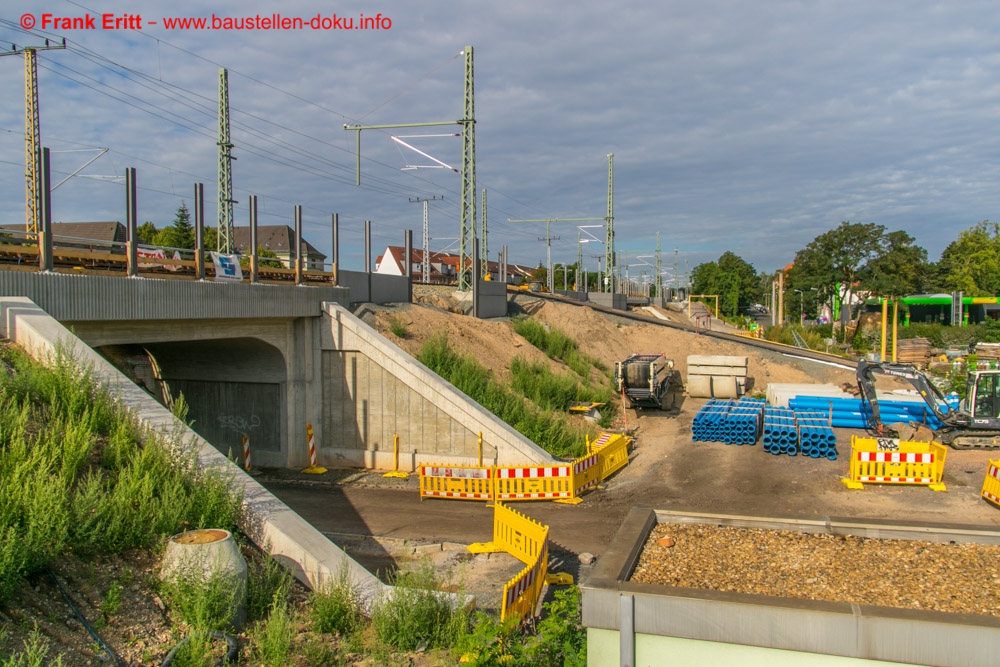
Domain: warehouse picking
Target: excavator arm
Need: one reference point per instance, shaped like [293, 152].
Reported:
[932, 395]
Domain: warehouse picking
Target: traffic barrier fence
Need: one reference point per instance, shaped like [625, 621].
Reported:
[991, 485]
[894, 461]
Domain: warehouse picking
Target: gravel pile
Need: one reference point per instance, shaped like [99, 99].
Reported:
[959, 578]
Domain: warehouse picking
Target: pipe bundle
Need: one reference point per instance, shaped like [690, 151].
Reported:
[816, 438]
[780, 435]
[728, 421]
[852, 413]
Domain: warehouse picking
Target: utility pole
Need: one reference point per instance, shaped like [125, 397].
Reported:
[548, 241]
[425, 264]
[32, 132]
[226, 201]
[467, 217]
[659, 267]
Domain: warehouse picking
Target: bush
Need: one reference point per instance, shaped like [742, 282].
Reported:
[336, 606]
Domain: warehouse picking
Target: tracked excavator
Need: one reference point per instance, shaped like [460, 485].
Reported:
[974, 425]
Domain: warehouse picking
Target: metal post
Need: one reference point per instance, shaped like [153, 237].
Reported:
[298, 244]
[130, 246]
[475, 277]
[199, 231]
[885, 318]
[368, 257]
[505, 265]
[565, 276]
[335, 263]
[895, 328]
[548, 258]
[45, 201]
[408, 267]
[253, 239]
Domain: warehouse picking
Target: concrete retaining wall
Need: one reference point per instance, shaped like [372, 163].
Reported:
[577, 296]
[270, 523]
[373, 389]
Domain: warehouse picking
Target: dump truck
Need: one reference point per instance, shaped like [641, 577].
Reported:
[648, 381]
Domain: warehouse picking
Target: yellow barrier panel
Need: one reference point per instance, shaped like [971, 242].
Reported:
[528, 541]
[991, 485]
[534, 482]
[586, 475]
[612, 453]
[893, 461]
[457, 482]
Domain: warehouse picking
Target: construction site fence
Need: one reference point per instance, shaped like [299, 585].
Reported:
[528, 541]
[561, 482]
[894, 461]
[991, 485]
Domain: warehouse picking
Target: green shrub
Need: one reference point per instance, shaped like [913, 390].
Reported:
[268, 584]
[204, 604]
[398, 327]
[273, 638]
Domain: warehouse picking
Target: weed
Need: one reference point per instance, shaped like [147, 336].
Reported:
[398, 327]
[415, 614]
[112, 599]
[196, 651]
[561, 637]
[204, 604]
[272, 639]
[493, 642]
[35, 654]
[335, 607]
[268, 584]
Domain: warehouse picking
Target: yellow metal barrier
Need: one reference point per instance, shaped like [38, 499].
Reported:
[991, 485]
[528, 541]
[458, 482]
[893, 461]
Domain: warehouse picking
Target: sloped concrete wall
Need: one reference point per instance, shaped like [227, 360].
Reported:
[373, 390]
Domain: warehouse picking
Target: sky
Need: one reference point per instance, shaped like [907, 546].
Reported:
[735, 126]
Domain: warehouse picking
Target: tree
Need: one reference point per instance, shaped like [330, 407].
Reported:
[181, 233]
[732, 278]
[840, 255]
[971, 263]
[147, 233]
[901, 270]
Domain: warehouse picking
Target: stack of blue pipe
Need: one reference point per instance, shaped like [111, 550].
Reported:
[731, 422]
[850, 413]
[816, 438]
[780, 435]
[708, 423]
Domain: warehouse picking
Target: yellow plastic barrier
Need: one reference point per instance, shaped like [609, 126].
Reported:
[991, 485]
[563, 482]
[534, 482]
[612, 453]
[893, 461]
[528, 541]
[456, 482]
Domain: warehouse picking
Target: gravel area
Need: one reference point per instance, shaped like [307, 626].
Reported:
[958, 578]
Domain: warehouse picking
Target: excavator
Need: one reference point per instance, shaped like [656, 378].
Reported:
[974, 425]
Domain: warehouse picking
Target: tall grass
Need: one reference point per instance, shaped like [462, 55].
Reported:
[551, 391]
[556, 345]
[548, 430]
[79, 476]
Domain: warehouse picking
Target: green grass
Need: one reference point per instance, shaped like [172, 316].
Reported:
[557, 345]
[548, 430]
[336, 606]
[79, 476]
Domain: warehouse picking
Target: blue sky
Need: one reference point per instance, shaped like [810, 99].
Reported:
[750, 127]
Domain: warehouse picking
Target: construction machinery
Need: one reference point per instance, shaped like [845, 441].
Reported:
[974, 424]
[647, 381]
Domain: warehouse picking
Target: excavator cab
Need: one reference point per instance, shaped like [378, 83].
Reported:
[982, 396]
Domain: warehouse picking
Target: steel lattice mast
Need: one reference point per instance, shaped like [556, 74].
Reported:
[32, 132]
[609, 243]
[467, 218]
[225, 197]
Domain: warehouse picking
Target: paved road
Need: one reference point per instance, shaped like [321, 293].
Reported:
[667, 471]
